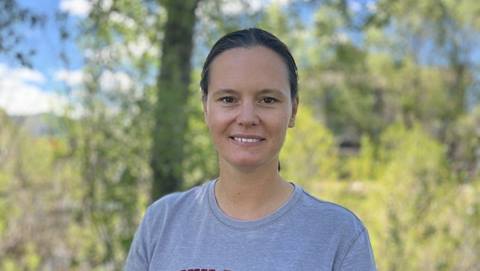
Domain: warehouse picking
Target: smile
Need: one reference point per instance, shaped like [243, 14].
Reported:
[247, 140]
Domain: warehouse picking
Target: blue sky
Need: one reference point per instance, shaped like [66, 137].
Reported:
[46, 40]
[29, 91]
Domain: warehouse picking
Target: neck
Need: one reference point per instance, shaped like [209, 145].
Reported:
[251, 194]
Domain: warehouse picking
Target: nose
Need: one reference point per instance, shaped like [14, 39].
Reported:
[247, 115]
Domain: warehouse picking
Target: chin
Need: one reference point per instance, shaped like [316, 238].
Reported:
[247, 163]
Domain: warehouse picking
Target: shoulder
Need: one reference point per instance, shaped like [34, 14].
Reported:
[194, 193]
[332, 216]
[175, 203]
[344, 231]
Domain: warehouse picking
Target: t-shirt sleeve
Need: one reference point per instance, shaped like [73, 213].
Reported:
[137, 259]
[359, 257]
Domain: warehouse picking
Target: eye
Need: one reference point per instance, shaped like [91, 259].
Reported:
[227, 99]
[269, 100]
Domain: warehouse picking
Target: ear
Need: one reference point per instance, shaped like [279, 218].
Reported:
[295, 102]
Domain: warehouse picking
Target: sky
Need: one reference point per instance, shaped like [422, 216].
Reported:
[25, 91]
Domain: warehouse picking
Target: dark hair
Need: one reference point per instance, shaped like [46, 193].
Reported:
[248, 38]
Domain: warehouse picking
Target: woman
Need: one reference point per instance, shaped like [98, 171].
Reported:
[249, 218]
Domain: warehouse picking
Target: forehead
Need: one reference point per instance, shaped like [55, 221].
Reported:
[255, 67]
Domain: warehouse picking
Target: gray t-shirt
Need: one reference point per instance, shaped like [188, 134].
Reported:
[188, 231]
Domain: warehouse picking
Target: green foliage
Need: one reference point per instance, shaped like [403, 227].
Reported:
[35, 185]
[200, 162]
[415, 175]
[365, 165]
[112, 140]
[310, 147]
[402, 190]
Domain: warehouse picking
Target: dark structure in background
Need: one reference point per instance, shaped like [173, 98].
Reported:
[170, 108]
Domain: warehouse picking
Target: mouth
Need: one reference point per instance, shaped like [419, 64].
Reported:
[247, 139]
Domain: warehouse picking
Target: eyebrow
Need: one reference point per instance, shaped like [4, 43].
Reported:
[269, 90]
[221, 92]
[225, 90]
[262, 91]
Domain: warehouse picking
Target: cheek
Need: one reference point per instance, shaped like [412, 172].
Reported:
[280, 120]
[216, 122]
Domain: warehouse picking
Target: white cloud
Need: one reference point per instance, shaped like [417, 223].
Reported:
[21, 74]
[22, 94]
[76, 7]
[29, 75]
[19, 95]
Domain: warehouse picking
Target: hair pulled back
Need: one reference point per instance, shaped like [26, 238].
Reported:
[246, 38]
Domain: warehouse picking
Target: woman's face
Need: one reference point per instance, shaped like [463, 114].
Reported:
[248, 107]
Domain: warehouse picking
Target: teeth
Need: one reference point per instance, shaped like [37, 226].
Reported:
[246, 140]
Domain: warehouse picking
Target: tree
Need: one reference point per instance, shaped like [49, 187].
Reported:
[172, 98]
[112, 138]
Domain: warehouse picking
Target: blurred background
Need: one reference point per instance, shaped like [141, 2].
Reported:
[100, 114]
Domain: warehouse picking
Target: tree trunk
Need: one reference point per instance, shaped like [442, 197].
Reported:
[170, 108]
